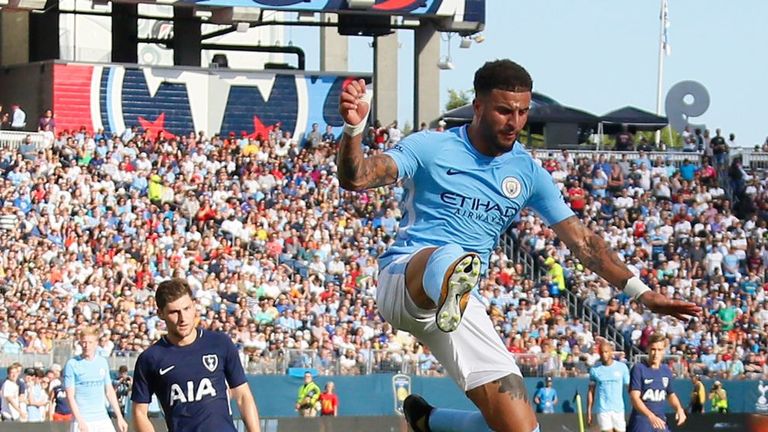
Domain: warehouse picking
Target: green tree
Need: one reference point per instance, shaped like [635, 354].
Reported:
[669, 136]
[457, 98]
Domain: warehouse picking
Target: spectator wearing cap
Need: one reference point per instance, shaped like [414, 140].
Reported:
[719, 398]
[545, 398]
[698, 396]
[61, 411]
[143, 164]
[54, 374]
[555, 271]
[308, 397]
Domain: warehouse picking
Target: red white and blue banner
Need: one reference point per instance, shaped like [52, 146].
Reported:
[179, 101]
[460, 10]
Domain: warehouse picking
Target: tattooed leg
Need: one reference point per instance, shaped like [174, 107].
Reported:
[514, 386]
[504, 404]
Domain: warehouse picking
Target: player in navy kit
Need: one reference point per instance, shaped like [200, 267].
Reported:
[462, 189]
[191, 371]
[650, 387]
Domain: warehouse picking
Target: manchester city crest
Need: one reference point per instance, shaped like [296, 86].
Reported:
[511, 187]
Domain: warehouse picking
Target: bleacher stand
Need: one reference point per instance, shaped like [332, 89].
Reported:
[284, 261]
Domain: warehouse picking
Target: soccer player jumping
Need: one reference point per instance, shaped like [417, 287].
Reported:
[463, 188]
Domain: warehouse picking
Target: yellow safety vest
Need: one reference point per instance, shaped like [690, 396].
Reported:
[718, 402]
[155, 191]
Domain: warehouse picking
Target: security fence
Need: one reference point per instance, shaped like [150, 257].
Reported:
[12, 140]
[360, 362]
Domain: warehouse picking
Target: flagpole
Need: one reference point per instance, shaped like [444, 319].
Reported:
[660, 75]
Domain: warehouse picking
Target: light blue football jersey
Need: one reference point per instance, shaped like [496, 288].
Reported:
[455, 195]
[610, 382]
[89, 378]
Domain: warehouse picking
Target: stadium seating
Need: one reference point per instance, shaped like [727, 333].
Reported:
[284, 261]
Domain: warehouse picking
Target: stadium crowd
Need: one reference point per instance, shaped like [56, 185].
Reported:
[679, 231]
[284, 260]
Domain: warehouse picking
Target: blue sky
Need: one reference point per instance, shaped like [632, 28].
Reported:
[599, 55]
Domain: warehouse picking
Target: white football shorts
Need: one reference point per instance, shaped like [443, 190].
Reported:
[472, 355]
[610, 421]
[95, 426]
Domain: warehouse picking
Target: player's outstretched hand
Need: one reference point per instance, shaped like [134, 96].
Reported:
[122, 426]
[351, 106]
[589, 419]
[680, 417]
[662, 305]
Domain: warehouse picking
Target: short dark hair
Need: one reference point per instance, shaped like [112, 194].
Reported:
[502, 75]
[171, 290]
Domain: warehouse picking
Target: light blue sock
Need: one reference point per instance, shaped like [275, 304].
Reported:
[449, 420]
[437, 265]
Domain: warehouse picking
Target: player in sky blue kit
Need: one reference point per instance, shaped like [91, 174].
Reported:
[462, 189]
[87, 382]
[192, 371]
[546, 398]
[606, 391]
[650, 387]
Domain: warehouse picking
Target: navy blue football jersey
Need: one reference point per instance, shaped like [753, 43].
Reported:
[191, 382]
[654, 386]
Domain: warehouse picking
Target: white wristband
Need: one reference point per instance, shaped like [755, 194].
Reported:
[635, 288]
[355, 130]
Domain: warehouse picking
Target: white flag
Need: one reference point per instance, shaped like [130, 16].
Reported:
[665, 25]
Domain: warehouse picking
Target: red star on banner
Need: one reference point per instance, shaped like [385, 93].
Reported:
[155, 127]
[260, 129]
[393, 4]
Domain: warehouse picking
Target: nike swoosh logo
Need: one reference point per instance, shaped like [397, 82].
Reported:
[166, 370]
[452, 171]
[648, 381]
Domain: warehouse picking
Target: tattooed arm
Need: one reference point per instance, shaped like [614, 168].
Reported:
[592, 251]
[595, 253]
[356, 172]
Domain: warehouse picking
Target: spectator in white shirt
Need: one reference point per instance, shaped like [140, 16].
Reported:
[714, 261]
[336, 266]
[624, 201]
[317, 266]
[394, 134]
[143, 163]
[232, 226]
[19, 118]
[9, 396]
